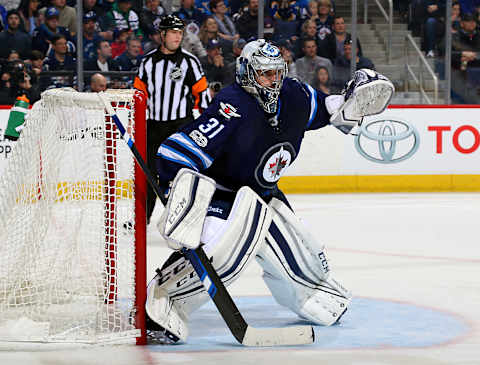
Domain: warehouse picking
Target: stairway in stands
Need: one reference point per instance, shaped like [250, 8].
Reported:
[374, 37]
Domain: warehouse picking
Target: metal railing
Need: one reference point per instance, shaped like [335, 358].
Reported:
[388, 17]
[419, 80]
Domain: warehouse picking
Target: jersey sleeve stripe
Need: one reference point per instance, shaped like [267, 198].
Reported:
[181, 148]
[313, 104]
[171, 154]
[185, 141]
[178, 161]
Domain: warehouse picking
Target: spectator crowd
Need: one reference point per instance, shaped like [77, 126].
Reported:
[42, 34]
[427, 20]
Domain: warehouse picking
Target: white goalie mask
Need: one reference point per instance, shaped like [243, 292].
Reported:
[258, 58]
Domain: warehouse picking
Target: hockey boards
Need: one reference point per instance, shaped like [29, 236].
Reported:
[243, 333]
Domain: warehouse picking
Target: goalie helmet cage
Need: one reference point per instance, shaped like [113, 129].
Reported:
[73, 225]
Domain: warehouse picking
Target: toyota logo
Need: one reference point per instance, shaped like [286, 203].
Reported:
[387, 141]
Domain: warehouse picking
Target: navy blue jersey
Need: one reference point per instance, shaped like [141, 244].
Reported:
[236, 143]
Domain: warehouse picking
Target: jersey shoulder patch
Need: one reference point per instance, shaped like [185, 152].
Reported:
[228, 110]
[229, 103]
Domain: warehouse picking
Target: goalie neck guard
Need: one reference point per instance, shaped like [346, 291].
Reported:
[258, 57]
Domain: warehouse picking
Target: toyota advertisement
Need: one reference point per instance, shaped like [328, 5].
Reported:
[401, 140]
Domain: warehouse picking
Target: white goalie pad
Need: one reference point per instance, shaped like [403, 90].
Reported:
[230, 243]
[182, 221]
[368, 93]
[296, 270]
[160, 310]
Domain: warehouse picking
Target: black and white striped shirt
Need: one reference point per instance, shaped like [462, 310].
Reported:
[175, 85]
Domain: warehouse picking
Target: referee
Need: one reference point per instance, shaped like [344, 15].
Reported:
[174, 83]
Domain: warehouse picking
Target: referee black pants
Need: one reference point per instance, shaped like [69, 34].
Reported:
[157, 132]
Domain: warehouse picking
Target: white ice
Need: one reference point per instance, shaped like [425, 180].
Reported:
[418, 249]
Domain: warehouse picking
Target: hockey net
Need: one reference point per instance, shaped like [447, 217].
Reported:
[72, 229]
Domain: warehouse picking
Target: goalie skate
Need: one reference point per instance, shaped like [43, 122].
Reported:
[156, 334]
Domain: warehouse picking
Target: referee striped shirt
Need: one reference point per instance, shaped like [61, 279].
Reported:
[175, 85]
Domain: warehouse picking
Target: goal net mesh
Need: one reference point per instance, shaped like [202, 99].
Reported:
[67, 258]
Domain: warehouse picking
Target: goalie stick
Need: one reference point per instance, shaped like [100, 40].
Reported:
[243, 333]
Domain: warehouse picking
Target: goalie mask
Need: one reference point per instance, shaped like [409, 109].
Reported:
[261, 61]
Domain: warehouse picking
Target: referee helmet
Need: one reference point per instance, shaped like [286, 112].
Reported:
[170, 22]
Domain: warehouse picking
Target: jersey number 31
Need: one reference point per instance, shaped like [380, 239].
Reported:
[213, 126]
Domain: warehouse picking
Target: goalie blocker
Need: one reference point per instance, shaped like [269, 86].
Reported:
[294, 263]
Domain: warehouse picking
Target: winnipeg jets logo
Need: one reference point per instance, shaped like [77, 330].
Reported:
[176, 73]
[276, 167]
[274, 163]
[228, 110]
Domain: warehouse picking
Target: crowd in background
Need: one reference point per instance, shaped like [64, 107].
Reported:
[41, 34]
[426, 19]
